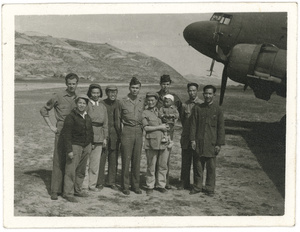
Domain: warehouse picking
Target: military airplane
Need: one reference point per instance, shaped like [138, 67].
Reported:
[252, 47]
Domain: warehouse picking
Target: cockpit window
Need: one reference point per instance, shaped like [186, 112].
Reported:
[221, 18]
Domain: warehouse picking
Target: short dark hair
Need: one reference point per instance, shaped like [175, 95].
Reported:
[71, 76]
[210, 87]
[77, 99]
[192, 84]
[94, 86]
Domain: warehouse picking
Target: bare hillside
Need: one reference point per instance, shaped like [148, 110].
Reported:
[40, 56]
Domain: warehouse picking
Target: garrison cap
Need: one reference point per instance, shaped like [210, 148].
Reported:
[192, 84]
[134, 81]
[165, 78]
[152, 94]
[111, 87]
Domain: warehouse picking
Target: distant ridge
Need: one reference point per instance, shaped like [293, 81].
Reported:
[39, 56]
[208, 80]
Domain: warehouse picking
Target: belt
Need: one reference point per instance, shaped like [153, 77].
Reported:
[97, 124]
[133, 125]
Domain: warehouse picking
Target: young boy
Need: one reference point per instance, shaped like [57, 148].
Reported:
[169, 115]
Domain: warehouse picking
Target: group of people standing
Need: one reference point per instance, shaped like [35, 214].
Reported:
[88, 129]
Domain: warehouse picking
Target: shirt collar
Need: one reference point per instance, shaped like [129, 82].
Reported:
[82, 115]
[154, 109]
[93, 102]
[162, 94]
[135, 100]
[70, 95]
[110, 102]
[194, 101]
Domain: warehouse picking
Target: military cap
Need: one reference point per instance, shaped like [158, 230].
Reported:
[111, 87]
[165, 78]
[192, 84]
[94, 86]
[152, 94]
[169, 96]
[134, 81]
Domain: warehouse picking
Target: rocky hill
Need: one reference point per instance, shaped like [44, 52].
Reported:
[40, 56]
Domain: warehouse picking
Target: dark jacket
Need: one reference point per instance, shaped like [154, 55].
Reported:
[207, 128]
[77, 131]
[114, 123]
[185, 120]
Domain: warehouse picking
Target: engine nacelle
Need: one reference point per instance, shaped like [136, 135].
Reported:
[262, 67]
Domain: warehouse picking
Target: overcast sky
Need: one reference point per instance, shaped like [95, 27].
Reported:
[157, 35]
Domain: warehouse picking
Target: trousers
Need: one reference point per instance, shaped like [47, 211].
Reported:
[200, 163]
[131, 149]
[112, 166]
[92, 168]
[59, 162]
[75, 169]
[156, 159]
[101, 173]
[186, 162]
[168, 163]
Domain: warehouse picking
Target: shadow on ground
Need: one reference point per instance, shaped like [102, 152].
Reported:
[267, 142]
[45, 175]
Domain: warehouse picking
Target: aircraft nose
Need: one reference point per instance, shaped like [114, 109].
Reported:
[201, 32]
[200, 35]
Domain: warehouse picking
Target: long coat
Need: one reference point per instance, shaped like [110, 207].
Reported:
[207, 128]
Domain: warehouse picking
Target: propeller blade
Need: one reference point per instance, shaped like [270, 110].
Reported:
[211, 67]
[223, 85]
[221, 54]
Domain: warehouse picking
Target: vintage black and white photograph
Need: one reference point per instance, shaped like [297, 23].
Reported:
[151, 110]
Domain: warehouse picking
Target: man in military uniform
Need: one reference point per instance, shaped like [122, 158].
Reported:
[114, 133]
[131, 108]
[62, 103]
[207, 134]
[187, 152]
[165, 83]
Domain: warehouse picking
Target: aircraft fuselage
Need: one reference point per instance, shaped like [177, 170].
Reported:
[228, 29]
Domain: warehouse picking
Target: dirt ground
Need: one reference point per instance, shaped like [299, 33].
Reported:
[250, 167]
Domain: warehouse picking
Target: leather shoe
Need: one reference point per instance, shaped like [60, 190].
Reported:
[180, 188]
[168, 187]
[162, 190]
[100, 186]
[114, 187]
[209, 193]
[149, 191]
[71, 199]
[193, 191]
[54, 196]
[94, 189]
[137, 191]
[81, 194]
[126, 192]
